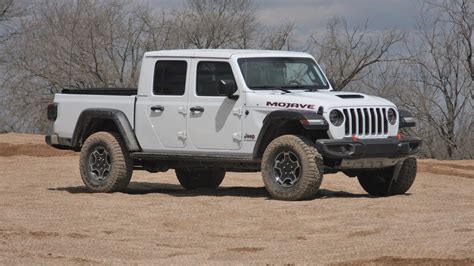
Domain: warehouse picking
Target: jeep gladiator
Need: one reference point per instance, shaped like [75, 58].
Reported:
[206, 112]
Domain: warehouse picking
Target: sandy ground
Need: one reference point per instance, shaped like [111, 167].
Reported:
[47, 217]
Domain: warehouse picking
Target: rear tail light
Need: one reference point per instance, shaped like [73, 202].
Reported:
[52, 111]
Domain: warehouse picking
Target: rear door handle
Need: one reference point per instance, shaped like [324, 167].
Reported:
[197, 109]
[157, 108]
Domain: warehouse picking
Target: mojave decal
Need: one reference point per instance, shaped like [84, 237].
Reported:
[291, 105]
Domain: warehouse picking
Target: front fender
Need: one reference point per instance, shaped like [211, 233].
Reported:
[309, 120]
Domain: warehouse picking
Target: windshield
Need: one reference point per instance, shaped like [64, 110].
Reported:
[282, 73]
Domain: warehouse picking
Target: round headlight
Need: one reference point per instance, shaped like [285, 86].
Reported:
[336, 117]
[392, 116]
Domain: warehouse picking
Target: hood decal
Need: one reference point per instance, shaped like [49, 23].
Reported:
[291, 105]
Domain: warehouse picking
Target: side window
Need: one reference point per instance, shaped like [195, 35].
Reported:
[209, 74]
[169, 77]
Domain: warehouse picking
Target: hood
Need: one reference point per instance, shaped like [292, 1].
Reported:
[312, 100]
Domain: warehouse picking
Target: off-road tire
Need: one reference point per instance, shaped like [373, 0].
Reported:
[377, 183]
[190, 178]
[121, 165]
[310, 162]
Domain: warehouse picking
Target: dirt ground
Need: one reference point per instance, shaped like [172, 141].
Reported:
[47, 217]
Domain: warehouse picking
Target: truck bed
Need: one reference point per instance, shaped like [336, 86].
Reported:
[102, 91]
[71, 103]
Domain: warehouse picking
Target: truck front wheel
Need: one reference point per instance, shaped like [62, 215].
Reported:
[105, 164]
[382, 183]
[292, 168]
[190, 178]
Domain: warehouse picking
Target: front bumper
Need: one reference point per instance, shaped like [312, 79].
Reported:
[368, 148]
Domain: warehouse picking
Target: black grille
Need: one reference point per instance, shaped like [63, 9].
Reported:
[365, 121]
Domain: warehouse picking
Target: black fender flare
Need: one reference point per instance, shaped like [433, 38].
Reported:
[116, 116]
[310, 120]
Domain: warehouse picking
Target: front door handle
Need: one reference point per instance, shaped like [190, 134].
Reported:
[197, 109]
[157, 108]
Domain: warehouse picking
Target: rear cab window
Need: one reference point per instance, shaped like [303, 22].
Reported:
[170, 77]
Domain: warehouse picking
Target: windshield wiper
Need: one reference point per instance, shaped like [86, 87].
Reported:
[270, 88]
[291, 87]
[316, 88]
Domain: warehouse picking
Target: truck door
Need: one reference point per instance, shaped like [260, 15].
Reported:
[161, 115]
[214, 121]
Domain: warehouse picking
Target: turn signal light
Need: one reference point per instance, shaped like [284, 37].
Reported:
[304, 122]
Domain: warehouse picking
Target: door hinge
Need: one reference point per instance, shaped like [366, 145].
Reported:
[182, 110]
[182, 135]
[238, 111]
[237, 136]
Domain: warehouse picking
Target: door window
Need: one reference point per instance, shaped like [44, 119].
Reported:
[169, 77]
[209, 74]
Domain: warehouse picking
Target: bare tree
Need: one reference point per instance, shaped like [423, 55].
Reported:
[63, 44]
[228, 24]
[385, 79]
[278, 39]
[84, 44]
[9, 11]
[218, 23]
[5, 10]
[461, 14]
[443, 85]
[161, 29]
[347, 53]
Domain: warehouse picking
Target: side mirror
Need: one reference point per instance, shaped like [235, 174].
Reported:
[227, 87]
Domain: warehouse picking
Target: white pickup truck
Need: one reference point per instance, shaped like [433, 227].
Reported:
[205, 112]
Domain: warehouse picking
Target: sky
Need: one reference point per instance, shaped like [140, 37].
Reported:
[311, 15]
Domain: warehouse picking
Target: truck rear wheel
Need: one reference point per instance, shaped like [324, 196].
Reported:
[190, 178]
[292, 168]
[379, 183]
[105, 164]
